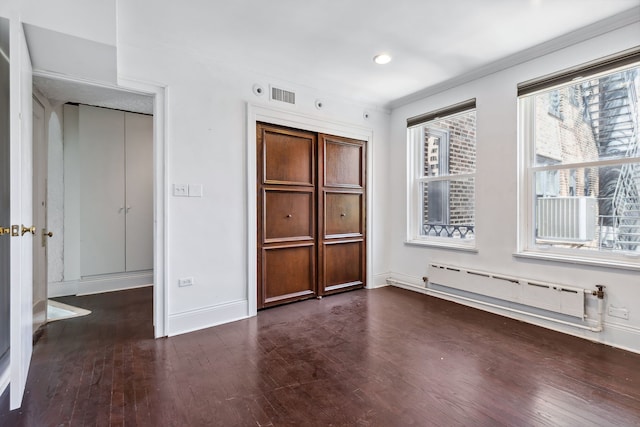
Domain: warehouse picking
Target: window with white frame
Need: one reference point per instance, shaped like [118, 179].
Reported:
[579, 136]
[441, 185]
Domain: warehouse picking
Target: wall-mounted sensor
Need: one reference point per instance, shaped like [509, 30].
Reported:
[365, 115]
[319, 104]
[258, 90]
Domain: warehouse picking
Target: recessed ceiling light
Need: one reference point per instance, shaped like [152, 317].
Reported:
[382, 59]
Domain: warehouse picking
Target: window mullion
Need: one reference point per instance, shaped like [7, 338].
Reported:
[592, 164]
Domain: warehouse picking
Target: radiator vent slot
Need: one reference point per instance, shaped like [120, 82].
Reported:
[283, 95]
[538, 285]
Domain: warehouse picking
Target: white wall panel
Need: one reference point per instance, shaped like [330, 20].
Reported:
[139, 191]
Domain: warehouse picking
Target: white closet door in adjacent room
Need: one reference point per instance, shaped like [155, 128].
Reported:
[102, 190]
[139, 191]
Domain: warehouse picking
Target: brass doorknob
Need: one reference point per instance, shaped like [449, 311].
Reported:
[26, 230]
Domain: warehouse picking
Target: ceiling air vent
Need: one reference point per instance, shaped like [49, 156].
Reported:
[282, 95]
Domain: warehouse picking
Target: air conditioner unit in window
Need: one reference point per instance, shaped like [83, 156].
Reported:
[566, 219]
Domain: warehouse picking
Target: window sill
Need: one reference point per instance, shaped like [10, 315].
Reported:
[442, 245]
[633, 263]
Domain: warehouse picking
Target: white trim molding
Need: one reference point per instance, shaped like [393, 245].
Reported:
[160, 95]
[101, 284]
[62, 289]
[193, 320]
[379, 280]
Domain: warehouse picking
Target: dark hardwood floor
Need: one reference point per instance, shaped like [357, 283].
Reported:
[384, 357]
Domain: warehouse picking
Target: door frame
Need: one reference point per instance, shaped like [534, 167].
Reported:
[160, 187]
[260, 113]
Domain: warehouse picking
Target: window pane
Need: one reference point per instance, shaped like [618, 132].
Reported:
[448, 208]
[450, 145]
[589, 208]
[589, 121]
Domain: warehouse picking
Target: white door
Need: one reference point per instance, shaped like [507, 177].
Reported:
[21, 212]
[102, 198]
[139, 191]
[39, 216]
[5, 219]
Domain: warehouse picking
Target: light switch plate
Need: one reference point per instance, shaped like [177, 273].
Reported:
[195, 190]
[181, 190]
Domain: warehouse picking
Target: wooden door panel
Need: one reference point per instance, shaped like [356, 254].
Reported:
[288, 215]
[288, 158]
[341, 209]
[288, 273]
[287, 209]
[343, 163]
[342, 214]
[343, 265]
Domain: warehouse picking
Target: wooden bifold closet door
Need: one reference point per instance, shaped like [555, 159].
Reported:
[311, 214]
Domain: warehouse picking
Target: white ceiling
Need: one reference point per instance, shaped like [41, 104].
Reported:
[329, 45]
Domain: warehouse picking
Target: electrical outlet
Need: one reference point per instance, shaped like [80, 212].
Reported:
[186, 281]
[181, 190]
[619, 312]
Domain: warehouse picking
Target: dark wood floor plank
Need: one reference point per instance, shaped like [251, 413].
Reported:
[384, 357]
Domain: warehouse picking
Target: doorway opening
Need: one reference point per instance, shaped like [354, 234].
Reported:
[143, 107]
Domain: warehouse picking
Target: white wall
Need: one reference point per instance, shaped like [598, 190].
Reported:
[93, 20]
[55, 189]
[55, 194]
[71, 199]
[496, 189]
[206, 145]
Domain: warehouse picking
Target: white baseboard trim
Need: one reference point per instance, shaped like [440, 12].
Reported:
[614, 334]
[100, 284]
[62, 289]
[379, 280]
[5, 373]
[622, 336]
[415, 283]
[193, 320]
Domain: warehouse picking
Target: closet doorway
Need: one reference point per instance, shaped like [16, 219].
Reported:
[311, 212]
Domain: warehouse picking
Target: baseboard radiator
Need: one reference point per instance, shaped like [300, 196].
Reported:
[556, 298]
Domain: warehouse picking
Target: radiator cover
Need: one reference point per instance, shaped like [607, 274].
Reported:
[534, 293]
